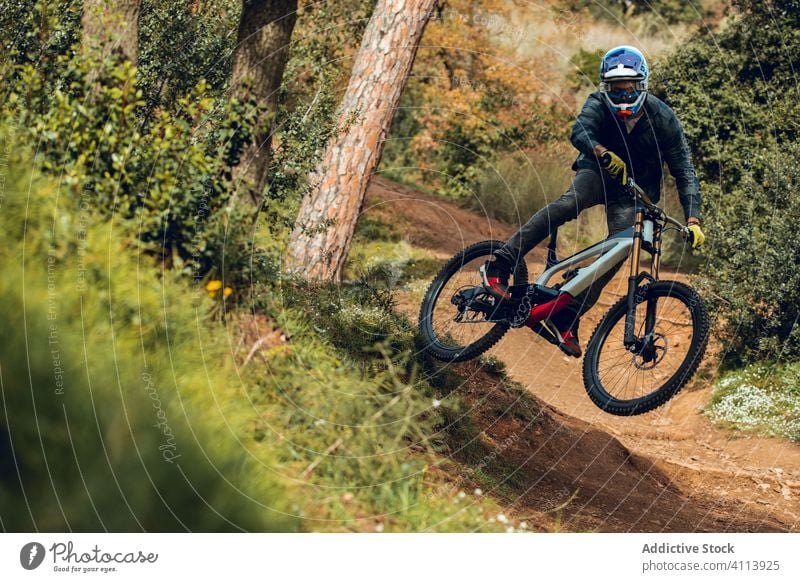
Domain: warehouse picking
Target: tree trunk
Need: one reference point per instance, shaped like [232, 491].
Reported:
[111, 27]
[324, 227]
[265, 29]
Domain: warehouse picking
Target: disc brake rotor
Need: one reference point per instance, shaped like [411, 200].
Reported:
[651, 353]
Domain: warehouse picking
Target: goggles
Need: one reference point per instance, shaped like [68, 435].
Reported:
[621, 96]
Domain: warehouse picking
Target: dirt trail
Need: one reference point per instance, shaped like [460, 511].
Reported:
[693, 470]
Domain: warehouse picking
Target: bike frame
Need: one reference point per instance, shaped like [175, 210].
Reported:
[645, 234]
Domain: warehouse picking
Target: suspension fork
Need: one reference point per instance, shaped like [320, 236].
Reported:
[630, 339]
[650, 316]
[635, 279]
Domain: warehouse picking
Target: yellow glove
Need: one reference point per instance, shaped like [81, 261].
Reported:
[698, 238]
[615, 167]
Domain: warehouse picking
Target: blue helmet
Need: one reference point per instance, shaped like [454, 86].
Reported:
[624, 63]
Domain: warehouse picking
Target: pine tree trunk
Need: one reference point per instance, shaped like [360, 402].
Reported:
[324, 227]
[111, 27]
[265, 29]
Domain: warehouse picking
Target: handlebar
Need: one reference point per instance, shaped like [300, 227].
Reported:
[639, 194]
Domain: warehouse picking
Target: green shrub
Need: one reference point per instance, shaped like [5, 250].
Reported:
[182, 44]
[168, 181]
[753, 265]
[38, 33]
[586, 68]
[153, 147]
[734, 95]
[122, 410]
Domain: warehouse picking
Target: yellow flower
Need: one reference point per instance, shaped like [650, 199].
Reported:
[214, 285]
[227, 292]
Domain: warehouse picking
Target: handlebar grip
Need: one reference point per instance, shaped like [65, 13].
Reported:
[688, 235]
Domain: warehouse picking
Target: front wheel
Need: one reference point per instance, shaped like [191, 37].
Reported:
[629, 381]
[458, 321]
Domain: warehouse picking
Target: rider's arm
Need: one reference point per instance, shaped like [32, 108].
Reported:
[680, 165]
[587, 128]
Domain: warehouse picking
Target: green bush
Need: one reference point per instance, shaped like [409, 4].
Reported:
[753, 265]
[122, 410]
[157, 160]
[182, 44]
[586, 69]
[38, 33]
[735, 94]
[168, 181]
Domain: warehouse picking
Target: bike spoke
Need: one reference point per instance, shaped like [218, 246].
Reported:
[626, 376]
[449, 332]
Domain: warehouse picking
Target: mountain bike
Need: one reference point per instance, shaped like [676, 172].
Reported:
[644, 350]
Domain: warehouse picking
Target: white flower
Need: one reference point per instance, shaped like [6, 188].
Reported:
[379, 528]
[501, 517]
[436, 403]
[478, 492]
[461, 495]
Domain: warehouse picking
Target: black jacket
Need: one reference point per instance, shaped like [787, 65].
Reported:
[656, 138]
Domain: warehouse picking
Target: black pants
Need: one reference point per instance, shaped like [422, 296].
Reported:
[587, 189]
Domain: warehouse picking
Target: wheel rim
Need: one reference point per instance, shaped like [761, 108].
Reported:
[628, 376]
[446, 329]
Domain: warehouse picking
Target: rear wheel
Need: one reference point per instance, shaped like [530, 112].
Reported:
[456, 320]
[627, 382]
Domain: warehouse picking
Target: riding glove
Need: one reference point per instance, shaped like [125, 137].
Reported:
[698, 238]
[614, 165]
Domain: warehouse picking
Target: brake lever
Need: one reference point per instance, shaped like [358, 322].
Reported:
[688, 235]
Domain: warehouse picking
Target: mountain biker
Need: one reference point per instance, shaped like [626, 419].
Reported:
[622, 130]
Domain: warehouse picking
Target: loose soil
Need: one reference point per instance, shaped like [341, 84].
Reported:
[568, 465]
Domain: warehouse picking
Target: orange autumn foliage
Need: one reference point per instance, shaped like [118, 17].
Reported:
[472, 96]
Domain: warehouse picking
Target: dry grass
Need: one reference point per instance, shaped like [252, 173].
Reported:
[548, 35]
[519, 184]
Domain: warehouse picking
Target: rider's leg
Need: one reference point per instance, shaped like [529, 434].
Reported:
[585, 191]
[620, 215]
